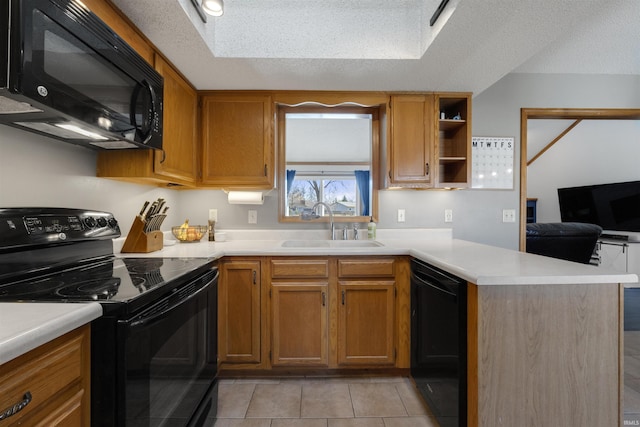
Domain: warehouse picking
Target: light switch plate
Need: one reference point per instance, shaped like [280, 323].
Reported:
[508, 215]
[401, 215]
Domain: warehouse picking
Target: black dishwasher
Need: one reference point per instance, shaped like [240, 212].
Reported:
[439, 342]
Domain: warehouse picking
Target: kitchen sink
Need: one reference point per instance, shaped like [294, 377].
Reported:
[330, 244]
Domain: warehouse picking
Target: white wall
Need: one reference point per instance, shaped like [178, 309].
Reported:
[496, 112]
[594, 152]
[39, 171]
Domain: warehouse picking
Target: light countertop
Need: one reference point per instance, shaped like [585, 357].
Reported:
[25, 326]
[481, 264]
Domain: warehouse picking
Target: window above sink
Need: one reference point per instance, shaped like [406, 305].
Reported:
[328, 154]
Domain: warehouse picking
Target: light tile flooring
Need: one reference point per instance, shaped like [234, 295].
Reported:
[314, 402]
[632, 378]
[363, 402]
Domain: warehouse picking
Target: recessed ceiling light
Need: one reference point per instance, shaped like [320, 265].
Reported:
[213, 7]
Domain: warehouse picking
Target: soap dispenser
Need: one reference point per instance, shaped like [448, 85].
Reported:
[371, 230]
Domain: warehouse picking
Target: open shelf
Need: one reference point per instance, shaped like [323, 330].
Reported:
[450, 124]
[454, 139]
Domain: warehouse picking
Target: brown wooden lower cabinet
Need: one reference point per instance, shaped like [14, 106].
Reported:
[366, 332]
[56, 377]
[239, 313]
[302, 319]
[299, 335]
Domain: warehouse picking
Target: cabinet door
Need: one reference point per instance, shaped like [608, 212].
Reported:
[614, 255]
[239, 312]
[237, 141]
[366, 322]
[57, 375]
[68, 413]
[412, 136]
[633, 258]
[299, 323]
[177, 160]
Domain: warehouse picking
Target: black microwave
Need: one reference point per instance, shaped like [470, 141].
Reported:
[67, 75]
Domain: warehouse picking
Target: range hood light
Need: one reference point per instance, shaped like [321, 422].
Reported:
[76, 129]
[213, 7]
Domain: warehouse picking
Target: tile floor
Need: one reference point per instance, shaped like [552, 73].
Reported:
[311, 402]
[363, 402]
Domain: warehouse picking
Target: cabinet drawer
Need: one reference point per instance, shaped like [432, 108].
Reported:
[296, 268]
[374, 267]
[44, 373]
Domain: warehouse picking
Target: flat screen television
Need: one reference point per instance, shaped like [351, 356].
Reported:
[611, 206]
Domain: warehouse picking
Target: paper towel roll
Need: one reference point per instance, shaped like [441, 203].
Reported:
[245, 198]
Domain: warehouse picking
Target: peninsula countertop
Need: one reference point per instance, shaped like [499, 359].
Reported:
[481, 264]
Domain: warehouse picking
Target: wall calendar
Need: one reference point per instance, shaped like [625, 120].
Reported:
[492, 162]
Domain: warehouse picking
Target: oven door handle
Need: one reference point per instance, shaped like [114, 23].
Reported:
[155, 315]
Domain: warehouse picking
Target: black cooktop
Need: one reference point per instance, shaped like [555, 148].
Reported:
[109, 280]
[66, 255]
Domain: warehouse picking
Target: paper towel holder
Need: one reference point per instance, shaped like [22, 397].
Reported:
[245, 197]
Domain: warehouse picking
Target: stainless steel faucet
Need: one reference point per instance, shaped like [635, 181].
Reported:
[313, 215]
[355, 231]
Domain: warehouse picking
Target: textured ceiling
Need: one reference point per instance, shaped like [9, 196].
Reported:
[388, 45]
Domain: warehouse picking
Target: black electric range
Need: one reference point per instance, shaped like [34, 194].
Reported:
[158, 332]
[123, 284]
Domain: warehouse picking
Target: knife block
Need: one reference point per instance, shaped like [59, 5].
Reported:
[140, 242]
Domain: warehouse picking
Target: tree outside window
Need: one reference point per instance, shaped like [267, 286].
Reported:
[340, 193]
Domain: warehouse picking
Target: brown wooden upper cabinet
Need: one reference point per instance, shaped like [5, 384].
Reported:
[429, 140]
[237, 141]
[175, 164]
[410, 153]
[454, 139]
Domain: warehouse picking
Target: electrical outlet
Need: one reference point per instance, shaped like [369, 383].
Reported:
[448, 215]
[253, 216]
[508, 215]
[400, 215]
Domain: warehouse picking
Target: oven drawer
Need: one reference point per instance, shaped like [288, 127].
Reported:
[45, 380]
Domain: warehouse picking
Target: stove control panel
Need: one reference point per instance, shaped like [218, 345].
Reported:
[34, 226]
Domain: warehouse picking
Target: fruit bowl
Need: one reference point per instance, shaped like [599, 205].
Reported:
[190, 234]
